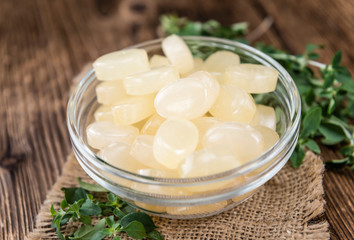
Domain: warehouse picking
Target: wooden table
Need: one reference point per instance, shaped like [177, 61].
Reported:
[43, 44]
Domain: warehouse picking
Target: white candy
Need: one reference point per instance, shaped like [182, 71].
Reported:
[209, 161]
[220, 61]
[187, 98]
[117, 65]
[264, 116]
[141, 150]
[253, 78]
[246, 141]
[117, 154]
[175, 140]
[110, 92]
[151, 81]
[178, 53]
[204, 124]
[104, 114]
[233, 104]
[133, 109]
[158, 61]
[102, 134]
[270, 137]
[152, 124]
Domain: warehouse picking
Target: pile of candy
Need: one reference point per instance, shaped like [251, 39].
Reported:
[176, 116]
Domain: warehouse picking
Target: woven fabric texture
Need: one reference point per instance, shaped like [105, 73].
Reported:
[289, 206]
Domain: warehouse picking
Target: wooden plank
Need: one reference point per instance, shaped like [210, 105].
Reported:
[44, 44]
[328, 23]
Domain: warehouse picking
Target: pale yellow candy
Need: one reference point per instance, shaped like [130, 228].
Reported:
[139, 125]
[208, 161]
[117, 154]
[246, 141]
[220, 61]
[102, 134]
[141, 150]
[204, 124]
[150, 207]
[117, 65]
[152, 124]
[175, 139]
[178, 53]
[198, 66]
[233, 104]
[109, 92]
[158, 189]
[187, 98]
[270, 137]
[158, 61]
[104, 114]
[160, 172]
[133, 109]
[264, 116]
[202, 209]
[151, 81]
[253, 78]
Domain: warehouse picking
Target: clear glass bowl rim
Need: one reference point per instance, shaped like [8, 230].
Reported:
[287, 137]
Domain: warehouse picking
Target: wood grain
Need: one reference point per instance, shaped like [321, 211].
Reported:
[44, 44]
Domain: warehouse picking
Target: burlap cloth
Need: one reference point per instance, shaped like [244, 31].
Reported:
[289, 206]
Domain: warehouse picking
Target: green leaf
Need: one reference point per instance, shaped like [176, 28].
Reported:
[240, 28]
[64, 204]
[86, 220]
[135, 230]
[329, 80]
[110, 221]
[128, 209]
[313, 146]
[117, 238]
[87, 232]
[88, 208]
[140, 217]
[192, 29]
[112, 197]
[331, 106]
[155, 235]
[311, 122]
[297, 157]
[74, 194]
[337, 59]
[91, 187]
[312, 47]
[332, 133]
[52, 211]
[118, 213]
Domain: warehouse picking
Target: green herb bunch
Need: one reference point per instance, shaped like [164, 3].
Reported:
[327, 95]
[115, 215]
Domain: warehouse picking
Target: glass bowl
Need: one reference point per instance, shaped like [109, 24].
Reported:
[190, 197]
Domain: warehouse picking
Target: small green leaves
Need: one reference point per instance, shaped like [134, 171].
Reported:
[332, 133]
[74, 194]
[172, 24]
[313, 146]
[88, 208]
[336, 59]
[297, 157]
[91, 187]
[79, 205]
[155, 235]
[311, 122]
[135, 230]
[141, 217]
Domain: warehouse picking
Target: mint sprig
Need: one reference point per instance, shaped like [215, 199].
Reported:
[115, 215]
[327, 96]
